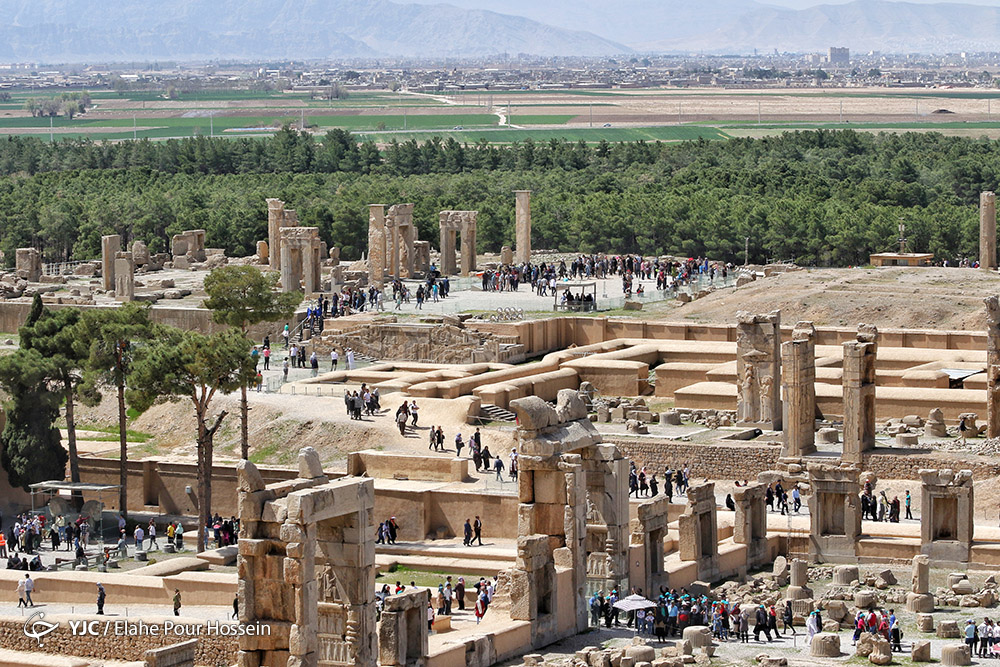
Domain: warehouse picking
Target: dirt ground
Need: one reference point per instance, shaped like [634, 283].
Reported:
[891, 297]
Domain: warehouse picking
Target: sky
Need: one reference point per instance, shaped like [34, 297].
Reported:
[803, 4]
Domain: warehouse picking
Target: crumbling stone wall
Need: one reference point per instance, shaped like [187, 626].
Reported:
[435, 343]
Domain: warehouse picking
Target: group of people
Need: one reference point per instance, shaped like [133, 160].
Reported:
[983, 640]
[777, 495]
[484, 460]
[675, 610]
[387, 531]
[642, 482]
[367, 401]
[880, 508]
[878, 622]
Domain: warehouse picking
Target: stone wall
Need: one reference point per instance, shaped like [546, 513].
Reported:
[438, 343]
[745, 461]
[212, 649]
[725, 462]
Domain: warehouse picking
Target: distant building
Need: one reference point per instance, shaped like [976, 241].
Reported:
[839, 55]
[902, 259]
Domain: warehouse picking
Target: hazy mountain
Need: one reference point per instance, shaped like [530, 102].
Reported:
[632, 22]
[863, 25]
[73, 30]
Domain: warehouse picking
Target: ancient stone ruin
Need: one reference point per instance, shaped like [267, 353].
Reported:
[307, 567]
[834, 513]
[522, 226]
[188, 247]
[946, 519]
[377, 240]
[124, 277]
[401, 235]
[992, 366]
[28, 264]
[698, 529]
[278, 217]
[987, 231]
[859, 394]
[301, 259]
[758, 369]
[463, 224]
[402, 634]
[111, 245]
[798, 361]
[750, 528]
[649, 528]
[919, 599]
[547, 581]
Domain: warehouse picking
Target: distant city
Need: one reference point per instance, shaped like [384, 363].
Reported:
[834, 67]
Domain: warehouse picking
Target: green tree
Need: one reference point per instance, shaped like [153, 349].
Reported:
[114, 333]
[242, 296]
[186, 364]
[63, 342]
[31, 448]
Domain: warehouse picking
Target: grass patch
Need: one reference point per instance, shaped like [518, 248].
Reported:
[112, 431]
[405, 575]
[589, 135]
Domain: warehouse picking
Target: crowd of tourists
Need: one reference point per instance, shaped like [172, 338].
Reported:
[673, 610]
[880, 508]
[448, 595]
[878, 622]
[642, 482]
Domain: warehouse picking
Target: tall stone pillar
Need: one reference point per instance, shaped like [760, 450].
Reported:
[798, 368]
[469, 242]
[987, 231]
[992, 366]
[275, 220]
[522, 227]
[447, 226]
[376, 245]
[110, 247]
[859, 394]
[758, 369]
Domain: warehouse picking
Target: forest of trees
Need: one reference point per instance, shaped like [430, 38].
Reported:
[817, 197]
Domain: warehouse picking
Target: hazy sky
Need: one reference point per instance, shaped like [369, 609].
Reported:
[802, 4]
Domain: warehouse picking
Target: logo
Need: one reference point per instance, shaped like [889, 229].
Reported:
[36, 629]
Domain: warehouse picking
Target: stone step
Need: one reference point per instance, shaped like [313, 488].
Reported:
[496, 413]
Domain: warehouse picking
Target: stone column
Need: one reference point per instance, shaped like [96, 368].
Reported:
[859, 394]
[275, 220]
[124, 277]
[522, 227]
[758, 369]
[946, 516]
[750, 527]
[376, 245]
[992, 366]
[919, 599]
[469, 243]
[289, 281]
[310, 267]
[798, 367]
[798, 588]
[447, 246]
[987, 231]
[110, 247]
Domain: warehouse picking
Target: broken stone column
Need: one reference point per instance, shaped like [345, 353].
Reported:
[992, 366]
[402, 636]
[758, 369]
[376, 245]
[859, 394]
[834, 514]
[798, 588]
[522, 226]
[262, 253]
[506, 255]
[987, 231]
[111, 245]
[124, 277]
[946, 515]
[698, 531]
[919, 599]
[140, 254]
[798, 362]
[275, 221]
[28, 264]
[750, 528]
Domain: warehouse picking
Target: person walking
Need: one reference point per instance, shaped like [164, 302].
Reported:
[151, 531]
[29, 587]
[787, 618]
[498, 467]
[906, 503]
[177, 602]
[140, 537]
[460, 593]
[467, 534]
[477, 528]
[21, 601]
[401, 421]
[101, 596]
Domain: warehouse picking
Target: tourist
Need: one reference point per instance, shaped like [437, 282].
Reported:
[21, 599]
[859, 627]
[284, 370]
[467, 533]
[498, 467]
[413, 413]
[458, 444]
[447, 594]
[643, 486]
[151, 532]
[480, 607]
[432, 444]
[962, 428]
[985, 632]
[970, 635]
[654, 486]
[812, 625]
[3, 545]
[401, 419]
[393, 529]
[179, 536]
[430, 617]
[267, 358]
[769, 498]
[101, 596]
[730, 503]
[477, 529]
[236, 606]
[140, 537]
[760, 624]
[350, 359]
[177, 602]
[333, 359]
[486, 458]
[787, 618]
[796, 499]
[896, 636]
[314, 363]
[460, 590]
[907, 502]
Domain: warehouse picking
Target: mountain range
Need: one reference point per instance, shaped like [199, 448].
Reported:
[123, 30]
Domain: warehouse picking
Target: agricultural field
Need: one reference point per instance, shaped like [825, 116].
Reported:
[674, 114]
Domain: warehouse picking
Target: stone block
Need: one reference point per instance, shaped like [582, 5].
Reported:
[865, 599]
[907, 440]
[640, 653]
[948, 630]
[956, 655]
[846, 575]
[825, 645]
[921, 651]
[881, 653]
[828, 436]
[922, 603]
[830, 625]
[698, 635]
[671, 417]
[925, 623]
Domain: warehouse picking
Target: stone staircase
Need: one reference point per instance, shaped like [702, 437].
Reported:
[490, 412]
